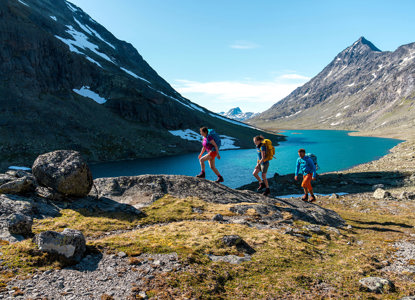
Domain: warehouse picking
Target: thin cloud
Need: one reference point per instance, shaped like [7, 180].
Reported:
[244, 45]
[294, 76]
[256, 95]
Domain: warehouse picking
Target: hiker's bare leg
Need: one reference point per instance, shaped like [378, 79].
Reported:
[306, 191]
[255, 173]
[212, 166]
[264, 177]
[202, 161]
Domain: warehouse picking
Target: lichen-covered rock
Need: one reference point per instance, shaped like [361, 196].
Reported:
[18, 186]
[376, 285]
[70, 243]
[64, 171]
[232, 259]
[19, 224]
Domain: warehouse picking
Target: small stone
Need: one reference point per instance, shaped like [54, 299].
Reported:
[334, 196]
[334, 230]
[218, 218]
[376, 285]
[381, 194]
[231, 240]
[404, 195]
[122, 254]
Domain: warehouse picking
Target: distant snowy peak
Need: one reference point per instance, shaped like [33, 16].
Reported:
[237, 114]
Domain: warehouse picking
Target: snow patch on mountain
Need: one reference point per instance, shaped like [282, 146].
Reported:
[80, 40]
[94, 61]
[134, 75]
[71, 6]
[227, 142]
[86, 92]
[187, 134]
[24, 3]
[53, 18]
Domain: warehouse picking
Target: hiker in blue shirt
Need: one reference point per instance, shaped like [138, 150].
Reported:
[307, 167]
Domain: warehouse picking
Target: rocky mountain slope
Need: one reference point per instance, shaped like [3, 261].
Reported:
[237, 114]
[68, 83]
[363, 88]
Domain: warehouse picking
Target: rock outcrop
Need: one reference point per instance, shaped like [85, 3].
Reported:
[64, 171]
[15, 217]
[141, 191]
[16, 182]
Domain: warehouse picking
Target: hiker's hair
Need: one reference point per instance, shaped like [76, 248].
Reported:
[204, 129]
[259, 138]
[301, 150]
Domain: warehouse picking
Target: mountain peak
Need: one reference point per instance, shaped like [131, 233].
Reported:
[362, 42]
[234, 111]
[357, 51]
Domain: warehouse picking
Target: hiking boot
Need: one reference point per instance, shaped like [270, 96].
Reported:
[267, 192]
[261, 186]
[220, 179]
[312, 198]
[305, 198]
[201, 175]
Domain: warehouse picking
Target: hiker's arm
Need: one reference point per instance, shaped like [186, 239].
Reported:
[201, 152]
[263, 155]
[216, 147]
[297, 168]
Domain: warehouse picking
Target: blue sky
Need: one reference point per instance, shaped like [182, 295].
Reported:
[227, 53]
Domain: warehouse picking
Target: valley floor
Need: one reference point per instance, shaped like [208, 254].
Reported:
[291, 258]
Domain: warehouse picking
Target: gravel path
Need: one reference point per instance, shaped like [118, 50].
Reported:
[94, 277]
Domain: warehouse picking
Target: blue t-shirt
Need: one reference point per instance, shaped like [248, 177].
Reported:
[306, 166]
[261, 148]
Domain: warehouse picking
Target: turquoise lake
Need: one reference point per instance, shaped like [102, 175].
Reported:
[336, 151]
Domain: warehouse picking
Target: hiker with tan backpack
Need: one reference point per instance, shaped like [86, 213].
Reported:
[265, 153]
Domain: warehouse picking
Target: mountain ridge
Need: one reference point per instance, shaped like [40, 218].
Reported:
[360, 89]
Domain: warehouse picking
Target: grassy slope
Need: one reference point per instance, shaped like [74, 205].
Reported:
[326, 265]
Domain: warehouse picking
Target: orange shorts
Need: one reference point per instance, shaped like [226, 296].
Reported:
[307, 182]
[213, 154]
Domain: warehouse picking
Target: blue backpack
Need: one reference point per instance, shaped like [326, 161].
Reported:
[215, 137]
[314, 159]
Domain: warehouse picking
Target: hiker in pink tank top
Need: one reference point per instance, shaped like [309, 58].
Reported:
[212, 150]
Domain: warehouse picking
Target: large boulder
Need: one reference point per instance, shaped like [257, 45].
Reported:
[64, 171]
[70, 243]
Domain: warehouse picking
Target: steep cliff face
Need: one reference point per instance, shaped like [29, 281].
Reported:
[362, 88]
[68, 83]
